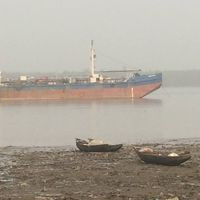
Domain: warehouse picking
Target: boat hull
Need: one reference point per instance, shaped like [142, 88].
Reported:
[138, 91]
[98, 148]
[159, 159]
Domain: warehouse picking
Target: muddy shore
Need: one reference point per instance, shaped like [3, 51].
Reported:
[49, 173]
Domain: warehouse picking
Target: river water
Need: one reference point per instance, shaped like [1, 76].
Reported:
[168, 113]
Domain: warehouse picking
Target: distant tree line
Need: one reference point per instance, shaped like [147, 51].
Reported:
[181, 78]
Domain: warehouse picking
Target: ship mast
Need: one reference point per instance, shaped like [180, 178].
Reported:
[93, 56]
[94, 77]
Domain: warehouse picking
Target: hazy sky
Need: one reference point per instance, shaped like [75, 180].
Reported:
[54, 35]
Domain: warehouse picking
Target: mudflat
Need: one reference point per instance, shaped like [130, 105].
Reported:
[50, 173]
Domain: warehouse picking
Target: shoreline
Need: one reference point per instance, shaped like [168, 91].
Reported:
[173, 141]
[50, 173]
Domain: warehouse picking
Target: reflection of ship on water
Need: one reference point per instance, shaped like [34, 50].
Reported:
[142, 102]
[139, 102]
[148, 102]
[96, 86]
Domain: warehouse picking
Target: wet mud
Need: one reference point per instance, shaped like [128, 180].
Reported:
[52, 173]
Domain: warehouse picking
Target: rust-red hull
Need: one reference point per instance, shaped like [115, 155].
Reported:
[59, 94]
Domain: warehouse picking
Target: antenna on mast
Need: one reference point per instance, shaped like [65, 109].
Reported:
[92, 43]
[0, 77]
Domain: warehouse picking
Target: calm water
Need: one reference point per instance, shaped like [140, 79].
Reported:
[166, 114]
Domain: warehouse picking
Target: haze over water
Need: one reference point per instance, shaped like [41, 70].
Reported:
[168, 113]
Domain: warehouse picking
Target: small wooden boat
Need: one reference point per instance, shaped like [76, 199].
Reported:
[87, 146]
[160, 158]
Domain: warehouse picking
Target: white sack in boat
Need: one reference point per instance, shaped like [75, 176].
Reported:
[95, 142]
[173, 154]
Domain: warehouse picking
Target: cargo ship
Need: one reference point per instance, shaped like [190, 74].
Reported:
[95, 86]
